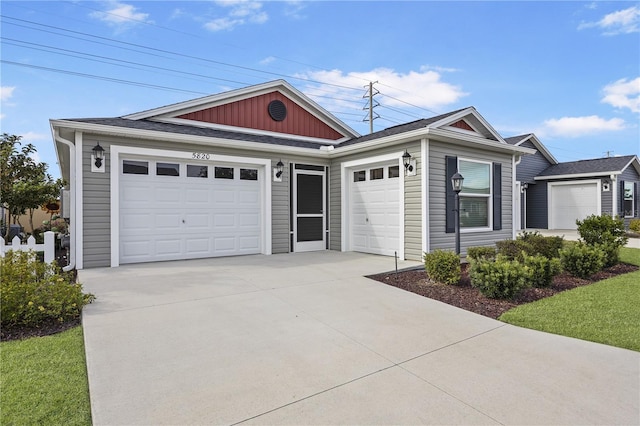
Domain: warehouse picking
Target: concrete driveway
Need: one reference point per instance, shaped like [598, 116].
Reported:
[305, 339]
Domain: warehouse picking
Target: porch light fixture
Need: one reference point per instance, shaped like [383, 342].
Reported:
[524, 187]
[98, 153]
[406, 161]
[279, 168]
[456, 183]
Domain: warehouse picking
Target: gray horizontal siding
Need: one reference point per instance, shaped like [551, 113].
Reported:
[438, 238]
[96, 195]
[531, 165]
[412, 194]
[536, 206]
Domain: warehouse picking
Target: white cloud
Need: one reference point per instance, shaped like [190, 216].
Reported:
[240, 12]
[294, 8]
[268, 60]
[625, 21]
[423, 89]
[121, 15]
[573, 127]
[623, 94]
[6, 92]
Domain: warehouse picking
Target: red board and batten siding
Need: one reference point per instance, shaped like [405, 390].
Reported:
[252, 113]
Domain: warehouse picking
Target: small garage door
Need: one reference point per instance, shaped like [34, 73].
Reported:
[375, 209]
[173, 210]
[571, 202]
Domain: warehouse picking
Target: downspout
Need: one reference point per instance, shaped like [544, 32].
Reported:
[72, 201]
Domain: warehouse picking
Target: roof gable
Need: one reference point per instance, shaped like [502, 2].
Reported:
[520, 140]
[468, 122]
[274, 108]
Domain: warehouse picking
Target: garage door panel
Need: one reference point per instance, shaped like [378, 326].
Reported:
[571, 202]
[179, 217]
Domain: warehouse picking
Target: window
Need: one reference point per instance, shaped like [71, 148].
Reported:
[394, 171]
[167, 169]
[475, 196]
[197, 171]
[248, 174]
[130, 167]
[628, 199]
[224, 172]
[359, 176]
[375, 174]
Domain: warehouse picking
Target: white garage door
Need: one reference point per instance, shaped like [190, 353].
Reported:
[571, 202]
[375, 209]
[173, 210]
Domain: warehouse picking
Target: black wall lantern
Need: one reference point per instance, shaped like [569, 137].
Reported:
[279, 168]
[456, 183]
[406, 161]
[98, 153]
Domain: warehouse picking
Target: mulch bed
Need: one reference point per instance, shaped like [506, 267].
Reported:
[52, 327]
[469, 298]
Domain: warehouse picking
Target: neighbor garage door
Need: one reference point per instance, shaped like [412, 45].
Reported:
[375, 209]
[181, 210]
[571, 202]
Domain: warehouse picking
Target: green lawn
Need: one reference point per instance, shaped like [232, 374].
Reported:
[44, 381]
[605, 312]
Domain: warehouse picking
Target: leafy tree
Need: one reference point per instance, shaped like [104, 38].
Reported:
[24, 183]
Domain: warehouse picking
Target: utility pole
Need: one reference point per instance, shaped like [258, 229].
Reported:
[371, 105]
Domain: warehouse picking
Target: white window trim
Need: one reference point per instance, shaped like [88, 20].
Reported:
[118, 152]
[346, 170]
[488, 197]
[633, 198]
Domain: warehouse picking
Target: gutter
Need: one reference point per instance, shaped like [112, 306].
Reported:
[72, 194]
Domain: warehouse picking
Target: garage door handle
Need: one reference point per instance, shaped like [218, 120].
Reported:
[182, 220]
[367, 220]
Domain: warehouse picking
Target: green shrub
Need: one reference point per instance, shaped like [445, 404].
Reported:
[543, 269]
[33, 293]
[481, 253]
[501, 278]
[582, 260]
[443, 266]
[548, 247]
[512, 249]
[634, 225]
[601, 229]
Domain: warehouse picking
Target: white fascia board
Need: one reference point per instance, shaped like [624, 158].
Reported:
[465, 112]
[635, 162]
[578, 175]
[199, 140]
[458, 138]
[540, 147]
[185, 122]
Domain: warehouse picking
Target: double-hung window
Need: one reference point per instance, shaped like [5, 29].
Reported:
[628, 199]
[475, 197]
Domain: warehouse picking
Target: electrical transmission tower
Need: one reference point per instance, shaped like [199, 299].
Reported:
[371, 104]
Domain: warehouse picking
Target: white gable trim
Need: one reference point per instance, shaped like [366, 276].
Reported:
[539, 146]
[460, 115]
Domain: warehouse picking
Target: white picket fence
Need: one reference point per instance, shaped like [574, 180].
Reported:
[49, 247]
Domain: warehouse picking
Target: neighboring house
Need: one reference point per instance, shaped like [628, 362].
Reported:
[554, 195]
[265, 169]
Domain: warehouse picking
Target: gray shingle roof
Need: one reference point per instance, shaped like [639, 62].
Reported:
[515, 139]
[401, 128]
[598, 165]
[196, 131]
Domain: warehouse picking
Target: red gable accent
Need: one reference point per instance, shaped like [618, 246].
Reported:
[252, 113]
[462, 125]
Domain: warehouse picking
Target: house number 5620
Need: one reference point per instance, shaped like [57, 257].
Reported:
[200, 156]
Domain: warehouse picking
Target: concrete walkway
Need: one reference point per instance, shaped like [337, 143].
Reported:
[305, 339]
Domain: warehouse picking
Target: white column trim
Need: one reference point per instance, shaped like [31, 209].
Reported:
[79, 201]
[424, 147]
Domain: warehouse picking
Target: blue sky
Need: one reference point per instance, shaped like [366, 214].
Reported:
[567, 71]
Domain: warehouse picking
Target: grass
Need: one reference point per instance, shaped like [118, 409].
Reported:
[44, 381]
[604, 312]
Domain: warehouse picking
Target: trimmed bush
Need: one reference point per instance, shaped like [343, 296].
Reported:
[512, 249]
[33, 293]
[582, 260]
[548, 247]
[543, 269]
[501, 278]
[443, 266]
[481, 253]
[604, 231]
[634, 225]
